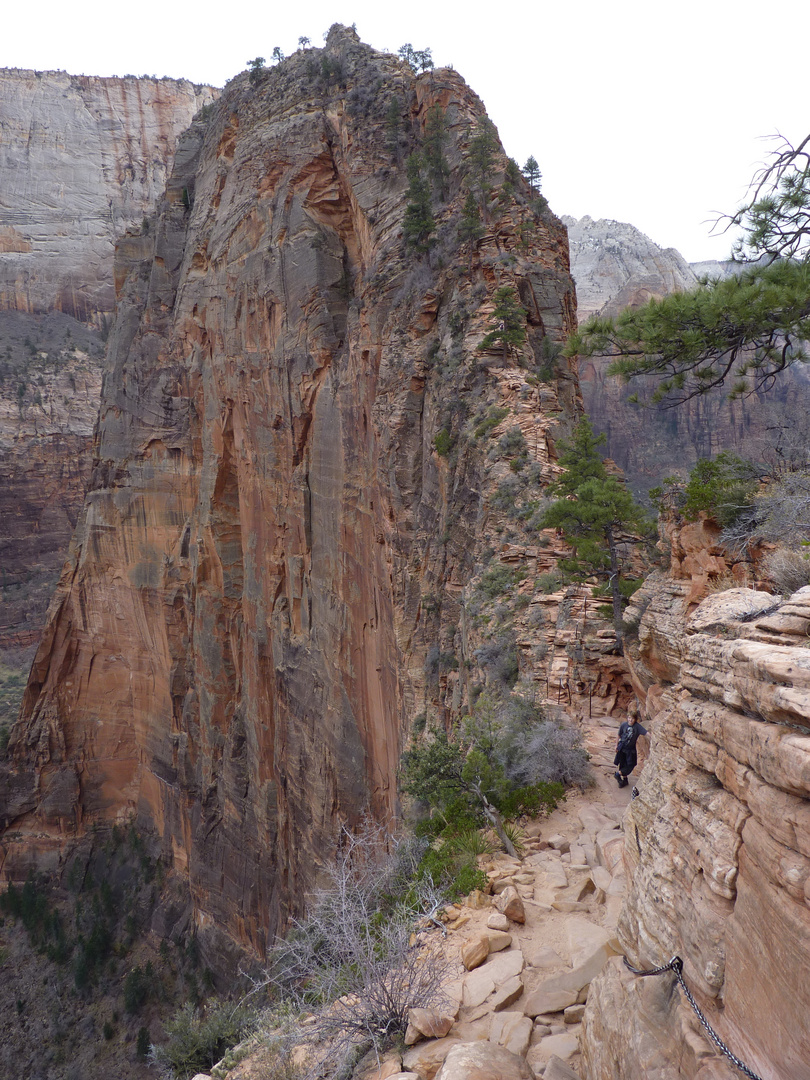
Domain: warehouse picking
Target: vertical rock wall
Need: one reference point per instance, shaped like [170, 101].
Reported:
[238, 639]
[716, 844]
[81, 159]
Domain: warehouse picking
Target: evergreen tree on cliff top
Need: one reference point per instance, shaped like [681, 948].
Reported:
[592, 510]
[744, 330]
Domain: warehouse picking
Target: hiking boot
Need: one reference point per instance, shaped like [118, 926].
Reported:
[619, 778]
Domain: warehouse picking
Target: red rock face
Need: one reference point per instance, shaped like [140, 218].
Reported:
[232, 652]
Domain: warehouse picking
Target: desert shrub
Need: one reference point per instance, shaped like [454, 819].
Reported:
[513, 443]
[474, 770]
[506, 493]
[444, 442]
[536, 750]
[723, 488]
[499, 659]
[549, 583]
[788, 570]
[351, 960]
[783, 510]
[198, 1037]
[498, 580]
[490, 421]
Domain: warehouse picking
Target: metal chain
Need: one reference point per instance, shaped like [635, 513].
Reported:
[676, 967]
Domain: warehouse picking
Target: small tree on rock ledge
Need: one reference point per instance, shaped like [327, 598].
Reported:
[592, 510]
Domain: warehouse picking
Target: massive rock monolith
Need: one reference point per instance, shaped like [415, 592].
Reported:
[274, 538]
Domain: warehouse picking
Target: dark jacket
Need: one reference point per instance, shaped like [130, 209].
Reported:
[626, 757]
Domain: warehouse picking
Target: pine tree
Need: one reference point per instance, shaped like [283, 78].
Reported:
[470, 228]
[419, 221]
[592, 510]
[433, 149]
[483, 147]
[744, 329]
[531, 170]
[508, 325]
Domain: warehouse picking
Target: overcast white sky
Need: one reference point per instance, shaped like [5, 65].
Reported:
[642, 112]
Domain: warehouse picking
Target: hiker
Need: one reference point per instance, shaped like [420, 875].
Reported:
[626, 758]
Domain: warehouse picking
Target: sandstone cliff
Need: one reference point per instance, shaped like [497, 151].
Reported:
[716, 846]
[614, 265]
[272, 542]
[83, 159]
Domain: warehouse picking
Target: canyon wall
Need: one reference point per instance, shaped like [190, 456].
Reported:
[274, 539]
[716, 845]
[614, 266]
[81, 160]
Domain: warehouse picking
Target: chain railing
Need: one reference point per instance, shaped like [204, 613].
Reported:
[676, 967]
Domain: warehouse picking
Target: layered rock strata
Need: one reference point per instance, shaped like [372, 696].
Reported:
[716, 849]
[82, 160]
[238, 640]
[616, 266]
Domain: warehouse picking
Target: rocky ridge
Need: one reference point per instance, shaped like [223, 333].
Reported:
[271, 543]
[716, 853]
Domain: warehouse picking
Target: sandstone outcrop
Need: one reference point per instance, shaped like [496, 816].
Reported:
[271, 541]
[716, 845]
[83, 159]
[48, 412]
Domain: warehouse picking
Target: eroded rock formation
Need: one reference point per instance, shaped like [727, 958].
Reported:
[83, 159]
[271, 541]
[716, 846]
[614, 266]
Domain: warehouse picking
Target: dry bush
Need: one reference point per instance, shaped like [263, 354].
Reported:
[788, 570]
[353, 961]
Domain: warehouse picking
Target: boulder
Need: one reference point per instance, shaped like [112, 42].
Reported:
[561, 1046]
[510, 904]
[557, 1069]
[483, 1061]
[427, 1024]
[497, 921]
[507, 994]
[512, 1030]
[478, 985]
[542, 956]
[426, 1058]
[474, 953]
[498, 940]
[541, 1001]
